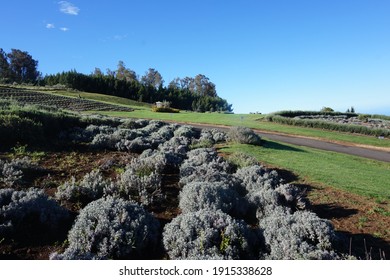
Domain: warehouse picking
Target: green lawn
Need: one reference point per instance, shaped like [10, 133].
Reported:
[353, 174]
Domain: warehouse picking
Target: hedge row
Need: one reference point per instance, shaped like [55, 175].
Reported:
[350, 128]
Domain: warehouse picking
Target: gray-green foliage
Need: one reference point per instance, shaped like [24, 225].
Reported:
[141, 181]
[91, 187]
[11, 172]
[243, 135]
[208, 234]
[26, 209]
[9, 175]
[205, 165]
[111, 228]
[266, 191]
[211, 195]
[301, 235]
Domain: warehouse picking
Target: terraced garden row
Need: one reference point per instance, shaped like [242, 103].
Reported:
[57, 101]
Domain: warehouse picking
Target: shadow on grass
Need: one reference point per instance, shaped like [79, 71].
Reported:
[278, 146]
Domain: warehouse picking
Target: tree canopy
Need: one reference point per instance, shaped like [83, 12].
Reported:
[18, 66]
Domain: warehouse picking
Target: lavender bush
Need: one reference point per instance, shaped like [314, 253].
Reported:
[208, 234]
[90, 188]
[243, 135]
[301, 235]
[29, 209]
[111, 228]
[205, 195]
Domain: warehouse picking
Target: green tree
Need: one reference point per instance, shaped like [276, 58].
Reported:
[23, 67]
[4, 67]
[152, 78]
[123, 73]
[203, 86]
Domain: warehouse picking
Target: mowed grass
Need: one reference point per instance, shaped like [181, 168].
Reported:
[349, 173]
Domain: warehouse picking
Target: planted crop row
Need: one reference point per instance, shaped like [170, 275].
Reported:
[75, 104]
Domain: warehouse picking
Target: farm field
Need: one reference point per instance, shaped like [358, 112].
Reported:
[76, 103]
[358, 206]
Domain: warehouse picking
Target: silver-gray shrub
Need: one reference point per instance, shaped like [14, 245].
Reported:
[153, 126]
[201, 155]
[140, 182]
[105, 141]
[214, 171]
[205, 165]
[186, 131]
[175, 150]
[26, 209]
[266, 191]
[11, 172]
[293, 197]
[243, 135]
[111, 228]
[136, 145]
[255, 176]
[165, 133]
[133, 123]
[211, 195]
[90, 188]
[213, 135]
[301, 235]
[9, 175]
[156, 159]
[208, 234]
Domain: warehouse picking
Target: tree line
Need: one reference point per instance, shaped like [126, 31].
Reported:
[190, 93]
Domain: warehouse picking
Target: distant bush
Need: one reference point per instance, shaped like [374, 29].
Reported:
[164, 110]
[320, 124]
[292, 114]
[111, 228]
[208, 234]
[301, 235]
[243, 135]
[28, 211]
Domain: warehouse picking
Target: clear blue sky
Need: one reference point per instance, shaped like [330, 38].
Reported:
[263, 55]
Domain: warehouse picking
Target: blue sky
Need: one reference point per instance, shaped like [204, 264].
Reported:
[263, 55]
